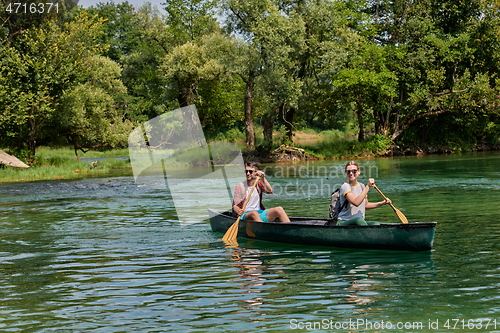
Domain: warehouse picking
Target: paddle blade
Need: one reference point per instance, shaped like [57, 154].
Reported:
[232, 243]
[231, 233]
[401, 216]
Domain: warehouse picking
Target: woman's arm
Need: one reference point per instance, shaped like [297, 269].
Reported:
[372, 205]
[356, 201]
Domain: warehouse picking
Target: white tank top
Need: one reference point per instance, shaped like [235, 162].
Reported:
[254, 202]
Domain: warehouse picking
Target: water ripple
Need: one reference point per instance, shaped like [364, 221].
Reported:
[104, 255]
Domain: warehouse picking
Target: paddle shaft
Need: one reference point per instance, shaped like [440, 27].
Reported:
[231, 233]
[250, 194]
[383, 196]
[400, 215]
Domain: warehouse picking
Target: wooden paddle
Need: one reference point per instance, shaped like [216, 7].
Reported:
[232, 232]
[397, 211]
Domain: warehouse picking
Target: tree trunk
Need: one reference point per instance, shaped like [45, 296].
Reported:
[250, 132]
[359, 111]
[182, 100]
[31, 140]
[186, 95]
[289, 123]
[268, 132]
[382, 118]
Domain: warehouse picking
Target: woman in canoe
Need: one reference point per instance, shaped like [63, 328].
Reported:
[357, 196]
[255, 210]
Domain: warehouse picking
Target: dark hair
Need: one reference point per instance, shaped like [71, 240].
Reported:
[252, 164]
[352, 163]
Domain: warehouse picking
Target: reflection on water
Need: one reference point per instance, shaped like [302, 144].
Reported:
[345, 284]
[105, 255]
[250, 274]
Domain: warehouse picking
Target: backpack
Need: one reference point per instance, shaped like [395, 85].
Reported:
[335, 207]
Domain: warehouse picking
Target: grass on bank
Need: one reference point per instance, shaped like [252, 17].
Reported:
[328, 144]
[333, 146]
[61, 163]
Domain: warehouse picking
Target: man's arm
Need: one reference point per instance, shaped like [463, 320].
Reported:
[267, 187]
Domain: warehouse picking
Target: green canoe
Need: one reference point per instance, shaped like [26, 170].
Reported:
[312, 231]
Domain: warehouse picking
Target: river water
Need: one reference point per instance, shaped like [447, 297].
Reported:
[104, 255]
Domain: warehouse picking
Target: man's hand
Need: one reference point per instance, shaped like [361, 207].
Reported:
[239, 211]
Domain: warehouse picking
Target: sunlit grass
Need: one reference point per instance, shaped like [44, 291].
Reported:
[62, 163]
[332, 146]
[69, 153]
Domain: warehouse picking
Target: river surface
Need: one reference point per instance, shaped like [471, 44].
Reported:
[106, 255]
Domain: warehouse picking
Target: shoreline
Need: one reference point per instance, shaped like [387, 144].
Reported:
[300, 155]
[68, 168]
[62, 164]
[76, 175]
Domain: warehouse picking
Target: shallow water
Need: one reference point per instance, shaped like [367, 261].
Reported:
[105, 255]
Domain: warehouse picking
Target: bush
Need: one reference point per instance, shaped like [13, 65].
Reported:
[231, 135]
[332, 134]
[330, 147]
[335, 145]
[375, 144]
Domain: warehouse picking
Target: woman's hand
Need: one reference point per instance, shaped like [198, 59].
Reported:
[371, 182]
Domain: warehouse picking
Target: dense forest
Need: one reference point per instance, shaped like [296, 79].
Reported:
[408, 72]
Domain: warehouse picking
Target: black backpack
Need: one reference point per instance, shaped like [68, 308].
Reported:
[335, 207]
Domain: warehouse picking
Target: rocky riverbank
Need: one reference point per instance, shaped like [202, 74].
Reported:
[284, 153]
[414, 150]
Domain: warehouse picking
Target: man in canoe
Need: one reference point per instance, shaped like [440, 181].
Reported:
[255, 210]
[357, 196]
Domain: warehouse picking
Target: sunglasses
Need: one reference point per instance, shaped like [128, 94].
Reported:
[248, 171]
[351, 171]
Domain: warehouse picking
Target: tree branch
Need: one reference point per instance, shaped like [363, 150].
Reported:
[238, 16]
[409, 119]
[15, 34]
[446, 92]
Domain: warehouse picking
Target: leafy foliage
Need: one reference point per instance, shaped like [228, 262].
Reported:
[416, 73]
[40, 70]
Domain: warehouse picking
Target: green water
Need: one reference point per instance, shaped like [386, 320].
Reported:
[103, 255]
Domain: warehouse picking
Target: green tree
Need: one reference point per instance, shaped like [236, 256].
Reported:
[197, 64]
[138, 39]
[329, 29]
[448, 49]
[16, 17]
[271, 36]
[120, 29]
[39, 69]
[246, 61]
[368, 84]
[88, 112]
[189, 19]
[41, 64]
